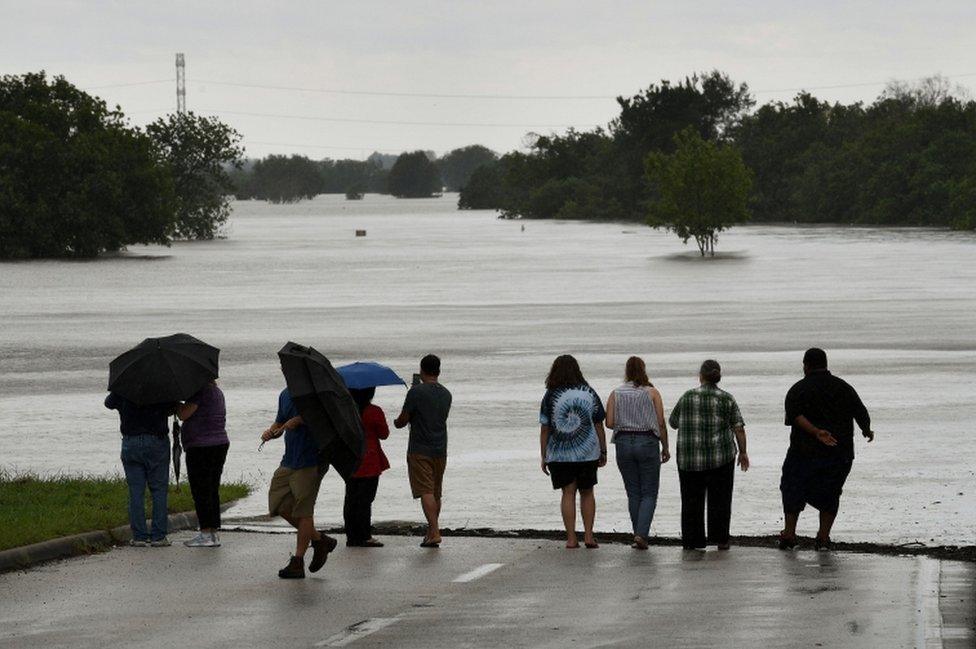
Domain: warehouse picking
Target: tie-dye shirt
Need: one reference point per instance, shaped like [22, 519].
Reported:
[570, 413]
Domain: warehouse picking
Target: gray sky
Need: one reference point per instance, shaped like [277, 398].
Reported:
[464, 47]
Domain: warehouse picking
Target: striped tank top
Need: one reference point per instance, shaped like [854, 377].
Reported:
[634, 410]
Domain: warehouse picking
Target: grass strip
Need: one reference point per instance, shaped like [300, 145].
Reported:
[34, 509]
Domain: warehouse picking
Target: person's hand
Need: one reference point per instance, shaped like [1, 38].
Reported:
[271, 433]
[744, 461]
[545, 469]
[826, 438]
[868, 434]
[665, 455]
[603, 459]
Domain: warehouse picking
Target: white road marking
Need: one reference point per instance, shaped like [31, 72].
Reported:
[478, 573]
[357, 631]
[928, 617]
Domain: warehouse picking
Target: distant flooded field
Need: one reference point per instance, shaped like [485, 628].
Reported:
[894, 308]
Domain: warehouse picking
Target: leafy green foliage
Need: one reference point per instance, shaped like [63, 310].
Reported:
[701, 189]
[198, 151]
[457, 166]
[414, 176]
[75, 179]
[283, 179]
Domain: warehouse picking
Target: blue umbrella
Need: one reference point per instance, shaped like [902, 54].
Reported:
[368, 375]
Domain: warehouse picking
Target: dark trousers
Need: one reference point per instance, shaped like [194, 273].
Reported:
[715, 486]
[204, 464]
[358, 508]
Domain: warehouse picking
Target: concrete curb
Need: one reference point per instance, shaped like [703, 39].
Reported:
[84, 543]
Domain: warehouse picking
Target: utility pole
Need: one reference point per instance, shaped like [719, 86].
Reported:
[180, 84]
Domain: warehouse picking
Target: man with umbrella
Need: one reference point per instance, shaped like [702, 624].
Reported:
[321, 425]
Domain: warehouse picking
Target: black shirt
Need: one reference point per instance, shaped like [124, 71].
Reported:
[140, 420]
[829, 403]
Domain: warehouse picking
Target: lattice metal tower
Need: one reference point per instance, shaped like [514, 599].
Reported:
[180, 84]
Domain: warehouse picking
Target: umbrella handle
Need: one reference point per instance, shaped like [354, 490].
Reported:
[261, 445]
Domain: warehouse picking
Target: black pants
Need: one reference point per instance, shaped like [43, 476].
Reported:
[358, 509]
[715, 485]
[204, 464]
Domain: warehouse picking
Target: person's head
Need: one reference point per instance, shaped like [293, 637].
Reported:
[814, 359]
[565, 371]
[430, 366]
[362, 396]
[710, 372]
[636, 372]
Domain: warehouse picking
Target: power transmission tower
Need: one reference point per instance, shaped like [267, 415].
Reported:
[180, 84]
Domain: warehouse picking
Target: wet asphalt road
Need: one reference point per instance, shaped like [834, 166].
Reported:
[487, 593]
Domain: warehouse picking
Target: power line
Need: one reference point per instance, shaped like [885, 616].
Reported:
[384, 93]
[351, 120]
[126, 85]
[340, 148]
[859, 85]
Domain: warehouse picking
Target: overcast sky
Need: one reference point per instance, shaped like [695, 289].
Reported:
[568, 49]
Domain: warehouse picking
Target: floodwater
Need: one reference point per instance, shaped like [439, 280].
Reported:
[894, 309]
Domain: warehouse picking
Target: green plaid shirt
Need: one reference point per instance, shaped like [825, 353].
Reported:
[705, 418]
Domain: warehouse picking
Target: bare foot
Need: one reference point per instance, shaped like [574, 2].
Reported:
[572, 542]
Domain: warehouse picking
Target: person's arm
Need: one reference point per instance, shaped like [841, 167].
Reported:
[611, 405]
[273, 431]
[861, 416]
[185, 410]
[404, 418]
[601, 435]
[662, 426]
[543, 442]
[378, 421]
[821, 435]
[675, 418]
[740, 440]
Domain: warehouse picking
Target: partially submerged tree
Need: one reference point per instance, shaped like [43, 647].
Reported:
[457, 166]
[700, 190]
[199, 151]
[414, 176]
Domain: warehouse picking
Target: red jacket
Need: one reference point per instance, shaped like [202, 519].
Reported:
[374, 460]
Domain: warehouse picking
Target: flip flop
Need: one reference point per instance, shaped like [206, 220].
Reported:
[592, 546]
[427, 543]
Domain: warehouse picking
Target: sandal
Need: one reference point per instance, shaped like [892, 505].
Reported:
[787, 542]
[428, 543]
[591, 546]
[640, 543]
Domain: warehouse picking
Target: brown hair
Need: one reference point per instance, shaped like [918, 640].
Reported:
[636, 372]
[711, 372]
[565, 371]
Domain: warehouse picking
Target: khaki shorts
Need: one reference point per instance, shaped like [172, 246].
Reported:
[293, 492]
[426, 474]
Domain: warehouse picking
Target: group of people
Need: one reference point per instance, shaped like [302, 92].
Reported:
[821, 410]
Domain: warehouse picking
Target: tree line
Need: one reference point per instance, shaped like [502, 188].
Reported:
[908, 158]
[76, 179]
[413, 174]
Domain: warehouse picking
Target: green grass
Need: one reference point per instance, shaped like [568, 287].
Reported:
[34, 509]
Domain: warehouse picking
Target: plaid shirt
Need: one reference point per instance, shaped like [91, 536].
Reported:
[705, 418]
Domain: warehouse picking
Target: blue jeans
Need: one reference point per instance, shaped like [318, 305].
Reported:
[145, 459]
[639, 461]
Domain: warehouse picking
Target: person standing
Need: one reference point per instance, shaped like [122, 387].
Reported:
[204, 438]
[426, 408]
[573, 443]
[709, 427]
[145, 460]
[295, 486]
[636, 415]
[361, 487]
[820, 410]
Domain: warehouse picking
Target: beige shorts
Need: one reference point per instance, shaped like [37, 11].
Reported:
[293, 492]
[426, 474]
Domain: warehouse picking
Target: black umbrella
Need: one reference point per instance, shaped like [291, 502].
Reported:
[163, 370]
[327, 408]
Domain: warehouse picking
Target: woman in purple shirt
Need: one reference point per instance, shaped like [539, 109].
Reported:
[205, 441]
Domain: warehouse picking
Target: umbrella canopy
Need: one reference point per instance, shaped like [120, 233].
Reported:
[162, 370]
[368, 375]
[325, 405]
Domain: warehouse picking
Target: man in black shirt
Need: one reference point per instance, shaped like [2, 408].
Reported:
[821, 410]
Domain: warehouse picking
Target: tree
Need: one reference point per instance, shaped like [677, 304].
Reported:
[414, 176]
[75, 178]
[457, 166]
[284, 179]
[702, 189]
[198, 151]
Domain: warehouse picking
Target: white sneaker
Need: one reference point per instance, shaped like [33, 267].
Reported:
[202, 540]
[215, 539]
[136, 543]
[161, 543]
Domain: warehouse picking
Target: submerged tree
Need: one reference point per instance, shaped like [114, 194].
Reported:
[414, 176]
[199, 151]
[701, 189]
